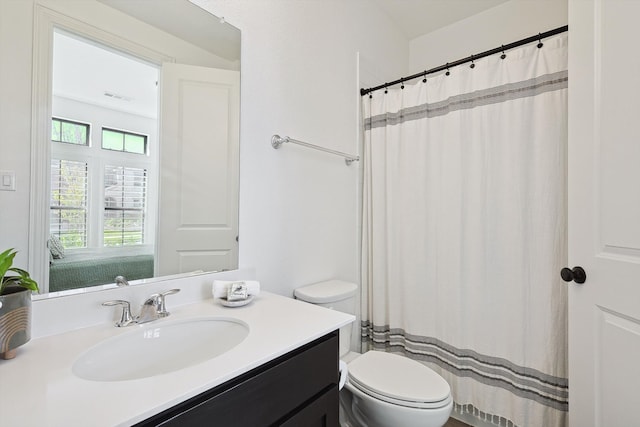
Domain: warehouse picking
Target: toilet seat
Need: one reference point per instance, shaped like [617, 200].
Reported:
[398, 380]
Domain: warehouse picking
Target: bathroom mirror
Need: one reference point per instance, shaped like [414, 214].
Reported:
[135, 142]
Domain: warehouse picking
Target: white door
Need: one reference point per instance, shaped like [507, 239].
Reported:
[198, 206]
[604, 212]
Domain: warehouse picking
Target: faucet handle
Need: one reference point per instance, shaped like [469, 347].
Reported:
[162, 308]
[152, 300]
[126, 318]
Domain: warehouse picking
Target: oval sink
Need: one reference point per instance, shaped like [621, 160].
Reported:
[155, 349]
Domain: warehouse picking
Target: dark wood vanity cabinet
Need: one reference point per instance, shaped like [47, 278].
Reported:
[297, 389]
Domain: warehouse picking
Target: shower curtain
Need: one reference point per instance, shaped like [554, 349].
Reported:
[465, 231]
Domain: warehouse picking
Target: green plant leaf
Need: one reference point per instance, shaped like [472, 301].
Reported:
[6, 259]
[23, 278]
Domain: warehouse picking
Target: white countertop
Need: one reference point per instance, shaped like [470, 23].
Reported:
[38, 388]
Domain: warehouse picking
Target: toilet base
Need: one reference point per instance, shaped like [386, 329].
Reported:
[346, 414]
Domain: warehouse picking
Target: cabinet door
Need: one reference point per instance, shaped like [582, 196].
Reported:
[322, 412]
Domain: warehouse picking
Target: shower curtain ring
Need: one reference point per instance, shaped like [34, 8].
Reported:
[447, 73]
[424, 80]
[401, 83]
[473, 65]
[540, 44]
[504, 55]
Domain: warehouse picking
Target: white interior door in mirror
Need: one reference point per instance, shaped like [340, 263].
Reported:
[199, 134]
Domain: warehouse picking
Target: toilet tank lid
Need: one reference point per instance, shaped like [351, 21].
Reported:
[325, 292]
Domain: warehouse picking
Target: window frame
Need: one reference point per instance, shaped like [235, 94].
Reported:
[124, 135]
[61, 120]
[97, 158]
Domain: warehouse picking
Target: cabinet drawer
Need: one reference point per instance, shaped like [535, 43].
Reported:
[265, 395]
[322, 412]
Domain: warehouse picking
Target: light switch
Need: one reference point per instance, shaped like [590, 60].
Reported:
[8, 180]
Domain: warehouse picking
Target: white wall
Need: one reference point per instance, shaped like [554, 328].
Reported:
[502, 24]
[15, 123]
[298, 207]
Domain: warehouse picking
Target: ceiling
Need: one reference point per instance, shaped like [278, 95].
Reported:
[186, 21]
[88, 72]
[418, 17]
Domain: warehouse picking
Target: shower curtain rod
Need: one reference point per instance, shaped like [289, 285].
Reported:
[538, 37]
[277, 141]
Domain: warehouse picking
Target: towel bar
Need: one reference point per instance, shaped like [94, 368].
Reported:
[277, 141]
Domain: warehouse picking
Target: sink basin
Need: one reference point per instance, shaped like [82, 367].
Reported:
[160, 347]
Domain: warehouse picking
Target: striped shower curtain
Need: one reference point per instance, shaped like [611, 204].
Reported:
[465, 231]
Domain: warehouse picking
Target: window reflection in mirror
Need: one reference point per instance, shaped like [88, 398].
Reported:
[103, 164]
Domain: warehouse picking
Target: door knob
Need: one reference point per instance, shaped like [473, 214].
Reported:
[577, 275]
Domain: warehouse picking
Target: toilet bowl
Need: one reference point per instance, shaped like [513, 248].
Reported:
[381, 389]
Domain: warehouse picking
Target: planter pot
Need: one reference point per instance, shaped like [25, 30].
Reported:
[15, 320]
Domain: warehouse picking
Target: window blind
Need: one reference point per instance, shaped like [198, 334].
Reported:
[125, 196]
[68, 203]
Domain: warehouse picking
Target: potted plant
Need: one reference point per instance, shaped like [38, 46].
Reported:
[15, 305]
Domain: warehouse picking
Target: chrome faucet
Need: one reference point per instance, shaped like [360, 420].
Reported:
[121, 281]
[152, 309]
[149, 310]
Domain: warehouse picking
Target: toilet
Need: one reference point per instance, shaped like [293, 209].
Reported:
[381, 389]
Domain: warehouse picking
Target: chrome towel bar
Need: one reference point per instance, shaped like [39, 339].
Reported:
[277, 141]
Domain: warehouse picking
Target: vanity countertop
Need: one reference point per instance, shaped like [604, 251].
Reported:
[38, 388]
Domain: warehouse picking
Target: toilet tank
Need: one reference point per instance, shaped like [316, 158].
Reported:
[335, 295]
